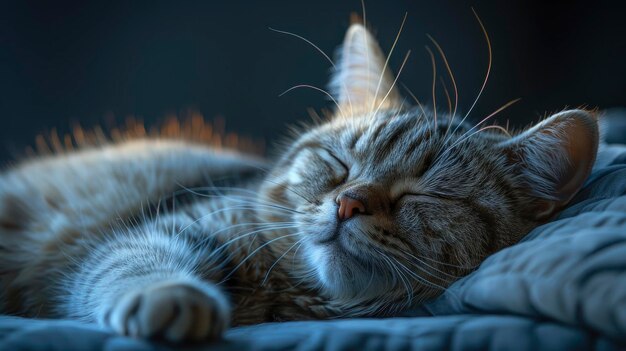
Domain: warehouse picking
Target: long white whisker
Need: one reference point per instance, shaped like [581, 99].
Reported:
[259, 225]
[253, 194]
[208, 215]
[239, 237]
[280, 258]
[419, 104]
[492, 114]
[367, 52]
[456, 93]
[465, 135]
[448, 264]
[382, 73]
[432, 59]
[308, 42]
[445, 90]
[401, 276]
[332, 63]
[247, 201]
[406, 57]
[286, 187]
[482, 26]
[253, 253]
[317, 89]
[417, 276]
[429, 266]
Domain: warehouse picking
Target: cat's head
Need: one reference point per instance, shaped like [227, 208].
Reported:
[393, 204]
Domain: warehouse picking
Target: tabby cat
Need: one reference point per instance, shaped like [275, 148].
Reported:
[377, 208]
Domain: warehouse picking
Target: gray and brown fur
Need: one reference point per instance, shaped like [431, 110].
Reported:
[78, 239]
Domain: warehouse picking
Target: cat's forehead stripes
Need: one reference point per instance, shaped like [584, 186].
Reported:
[395, 146]
[399, 143]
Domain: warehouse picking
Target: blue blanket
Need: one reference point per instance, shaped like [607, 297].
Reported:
[561, 288]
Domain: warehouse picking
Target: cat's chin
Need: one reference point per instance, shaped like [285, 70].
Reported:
[343, 276]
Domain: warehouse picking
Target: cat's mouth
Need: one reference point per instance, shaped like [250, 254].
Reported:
[334, 234]
[330, 235]
[339, 240]
[343, 270]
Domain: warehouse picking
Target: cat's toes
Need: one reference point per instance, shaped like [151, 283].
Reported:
[174, 311]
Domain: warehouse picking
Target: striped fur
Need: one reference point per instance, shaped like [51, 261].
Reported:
[79, 240]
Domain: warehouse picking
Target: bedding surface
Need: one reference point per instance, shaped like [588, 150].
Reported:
[563, 287]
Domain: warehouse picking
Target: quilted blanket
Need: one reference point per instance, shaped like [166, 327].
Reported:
[563, 287]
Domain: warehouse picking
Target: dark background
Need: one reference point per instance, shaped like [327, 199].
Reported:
[67, 62]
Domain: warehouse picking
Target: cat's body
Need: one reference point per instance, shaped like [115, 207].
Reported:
[86, 203]
[379, 208]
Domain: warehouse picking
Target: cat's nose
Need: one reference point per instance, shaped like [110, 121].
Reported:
[348, 207]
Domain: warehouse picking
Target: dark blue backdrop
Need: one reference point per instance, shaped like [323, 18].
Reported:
[65, 62]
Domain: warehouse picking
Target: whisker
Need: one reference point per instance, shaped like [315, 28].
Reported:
[317, 89]
[402, 277]
[421, 107]
[406, 57]
[253, 253]
[465, 135]
[445, 61]
[332, 63]
[247, 200]
[382, 73]
[482, 26]
[265, 226]
[476, 132]
[417, 276]
[503, 107]
[429, 266]
[214, 188]
[434, 64]
[445, 90]
[286, 187]
[203, 217]
[280, 258]
[367, 52]
[448, 264]
[296, 253]
[239, 236]
[308, 42]
[252, 204]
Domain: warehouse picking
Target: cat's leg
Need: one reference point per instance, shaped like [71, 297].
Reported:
[174, 309]
[149, 284]
[48, 204]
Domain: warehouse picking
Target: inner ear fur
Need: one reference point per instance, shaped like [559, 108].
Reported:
[555, 157]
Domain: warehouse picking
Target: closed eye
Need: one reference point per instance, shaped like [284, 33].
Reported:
[338, 160]
[416, 195]
[334, 159]
[424, 196]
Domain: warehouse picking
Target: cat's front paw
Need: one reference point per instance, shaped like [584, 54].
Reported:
[175, 311]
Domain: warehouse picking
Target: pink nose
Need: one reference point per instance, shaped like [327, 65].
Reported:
[348, 207]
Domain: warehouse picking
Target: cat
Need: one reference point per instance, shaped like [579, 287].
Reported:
[377, 208]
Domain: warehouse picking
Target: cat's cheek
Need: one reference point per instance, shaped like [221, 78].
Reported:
[316, 256]
[316, 260]
[298, 187]
[318, 220]
[299, 170]
[294, 178]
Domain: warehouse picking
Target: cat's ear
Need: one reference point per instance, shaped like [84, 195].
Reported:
[554, 158]
[361, 82]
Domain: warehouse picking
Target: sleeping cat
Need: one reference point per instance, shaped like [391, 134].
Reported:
[378, 208]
